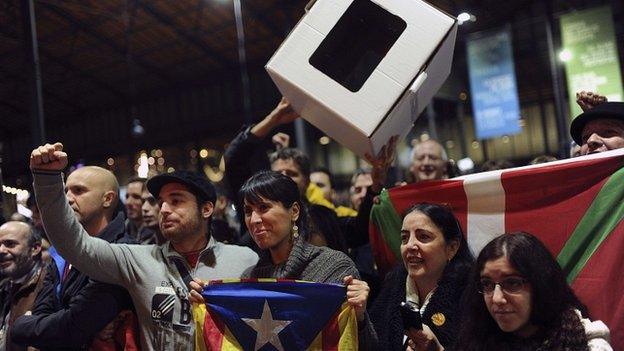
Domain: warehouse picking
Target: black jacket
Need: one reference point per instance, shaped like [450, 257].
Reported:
[68, 314]
[386, 317]
[246, 155]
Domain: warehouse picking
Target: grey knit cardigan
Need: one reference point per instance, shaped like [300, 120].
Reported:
[315, 264]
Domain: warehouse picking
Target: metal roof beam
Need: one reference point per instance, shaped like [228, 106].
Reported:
[277, 31]
[166, 20]
[199, 15]
[13, 108]
[10, 32]
[45, 53]
[149, 68]
[50, 92]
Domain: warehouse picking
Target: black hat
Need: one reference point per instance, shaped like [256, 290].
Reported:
[197, 183]
[613, 110]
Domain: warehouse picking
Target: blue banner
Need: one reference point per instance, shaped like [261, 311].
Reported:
[493, 87]
[289, 315]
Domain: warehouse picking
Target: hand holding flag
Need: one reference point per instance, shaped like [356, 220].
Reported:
[286, 314]
[357, 295]
[197, 286]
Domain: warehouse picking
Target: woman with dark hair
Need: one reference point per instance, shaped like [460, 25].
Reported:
[518, 299]
[436, 264]
[277, 222]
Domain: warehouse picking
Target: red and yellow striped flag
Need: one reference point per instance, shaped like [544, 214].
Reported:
[574, 206]
[288, 315]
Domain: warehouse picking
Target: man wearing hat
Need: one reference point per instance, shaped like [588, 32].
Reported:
[156, 276]
[600, 127]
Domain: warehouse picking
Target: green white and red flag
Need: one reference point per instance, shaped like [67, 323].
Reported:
[574, 206]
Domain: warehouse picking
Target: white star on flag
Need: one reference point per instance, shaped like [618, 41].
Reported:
[267, 328]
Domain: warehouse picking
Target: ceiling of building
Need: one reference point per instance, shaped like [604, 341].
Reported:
[97, 55]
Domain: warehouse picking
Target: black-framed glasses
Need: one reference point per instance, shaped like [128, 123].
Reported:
[510, 285]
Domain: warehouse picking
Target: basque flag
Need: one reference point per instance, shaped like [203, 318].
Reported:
[574, 206]
[272, 314]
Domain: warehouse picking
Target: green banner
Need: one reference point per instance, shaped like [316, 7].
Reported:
[592, 62]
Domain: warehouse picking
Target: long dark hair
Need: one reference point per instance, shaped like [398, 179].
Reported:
[276, 187]
[443, 218]
[553, 301]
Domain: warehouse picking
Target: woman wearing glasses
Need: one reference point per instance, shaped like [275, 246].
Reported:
[518, 299]
[436, 265]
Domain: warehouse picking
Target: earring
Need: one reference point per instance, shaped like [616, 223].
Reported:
[295, 231]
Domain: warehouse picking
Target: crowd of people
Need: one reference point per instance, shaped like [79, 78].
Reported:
[91, 272]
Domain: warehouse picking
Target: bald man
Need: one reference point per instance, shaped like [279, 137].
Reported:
[92, 192]
[429, 161]
[69, 298]
[157, 276]
[23, 270]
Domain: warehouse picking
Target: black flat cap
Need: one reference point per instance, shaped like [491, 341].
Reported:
[612, 110]
[197, 183]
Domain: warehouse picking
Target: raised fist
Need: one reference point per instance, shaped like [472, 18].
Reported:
[283, 113]
[281, 141]
[48, 157]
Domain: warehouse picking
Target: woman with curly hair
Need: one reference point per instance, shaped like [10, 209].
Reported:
[518, 299]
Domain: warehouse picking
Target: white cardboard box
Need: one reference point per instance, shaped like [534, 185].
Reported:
[362, 111]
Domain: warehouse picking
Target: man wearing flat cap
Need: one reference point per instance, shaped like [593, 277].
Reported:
[600, 127]
[156, 276]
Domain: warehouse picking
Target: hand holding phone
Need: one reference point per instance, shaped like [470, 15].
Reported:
[410, 315]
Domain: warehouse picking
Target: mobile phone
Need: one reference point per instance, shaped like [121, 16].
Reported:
[410, 315]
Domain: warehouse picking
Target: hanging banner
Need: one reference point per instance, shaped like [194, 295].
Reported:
[493, 84]
[590, 54]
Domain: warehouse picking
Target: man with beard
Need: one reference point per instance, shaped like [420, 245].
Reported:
[429, 161]
[72, 311]
[157, 276]
[23, 272]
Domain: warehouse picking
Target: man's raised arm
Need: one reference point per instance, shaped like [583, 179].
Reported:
[97, 258]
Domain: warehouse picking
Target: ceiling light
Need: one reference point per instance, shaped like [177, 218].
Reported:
[565, 55]
[465, 17]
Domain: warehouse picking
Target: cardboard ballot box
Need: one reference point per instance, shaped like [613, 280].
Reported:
[363, 70]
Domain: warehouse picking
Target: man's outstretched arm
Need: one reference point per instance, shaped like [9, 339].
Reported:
[97, 258]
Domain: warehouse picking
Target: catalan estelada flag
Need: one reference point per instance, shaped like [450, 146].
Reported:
[272, 314]
[574, 206]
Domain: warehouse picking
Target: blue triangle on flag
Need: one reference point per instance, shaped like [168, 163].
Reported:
[308, 307]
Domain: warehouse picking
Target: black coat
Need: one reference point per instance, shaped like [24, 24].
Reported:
[68, 314]
[247, 154]
[386, 317]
